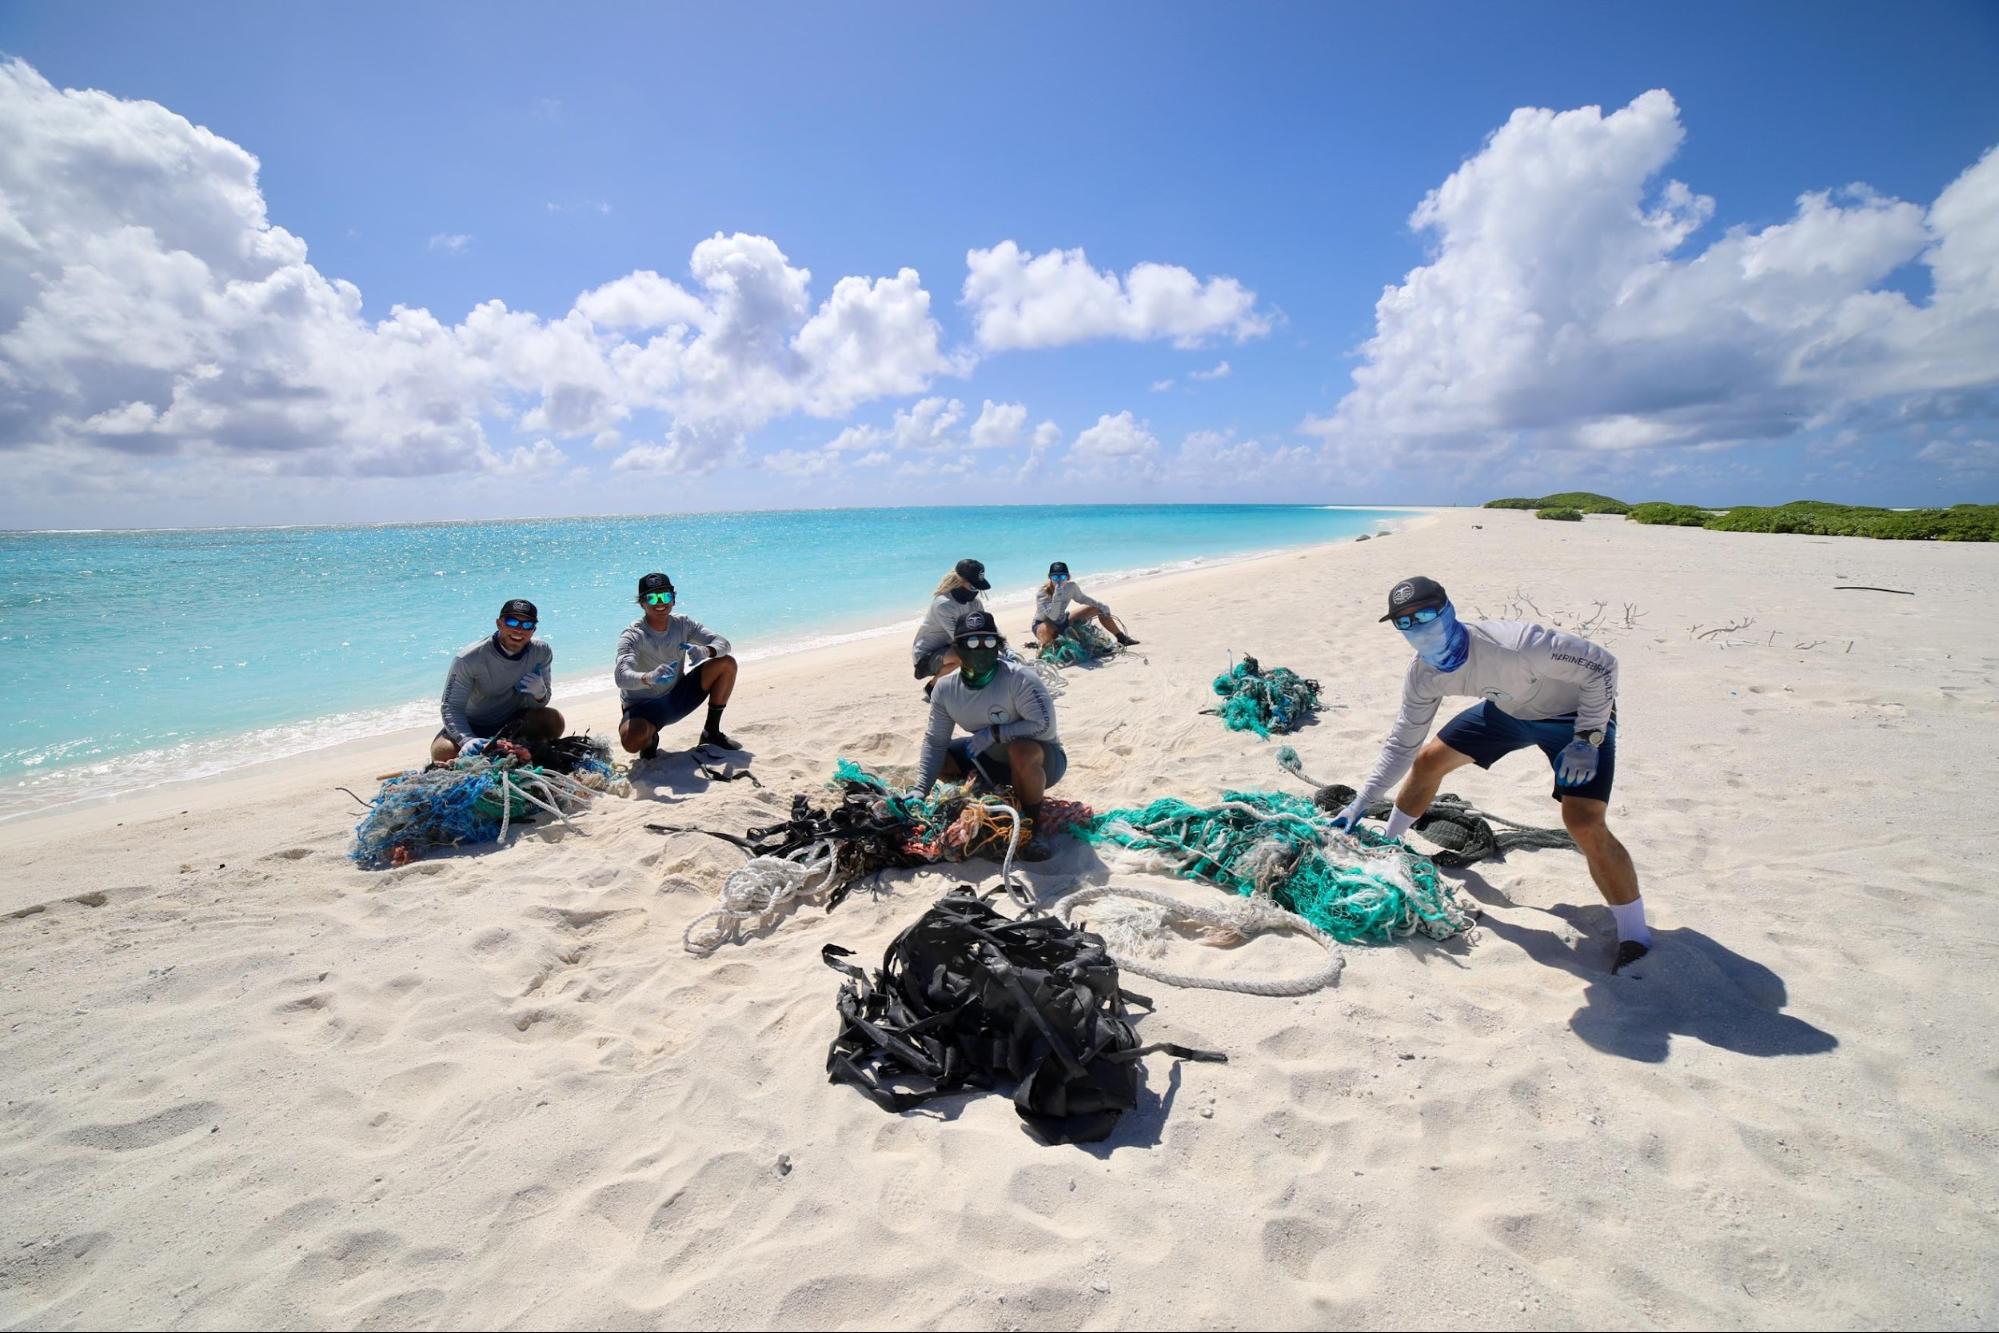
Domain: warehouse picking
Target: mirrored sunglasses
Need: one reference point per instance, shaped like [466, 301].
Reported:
[659, 599]
[980, 641]
[515, 622]
[1415, 618]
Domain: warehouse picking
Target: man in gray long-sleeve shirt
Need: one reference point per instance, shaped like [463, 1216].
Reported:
[1538, 687]
[668, 666]
[499, 686]
[1011, 718]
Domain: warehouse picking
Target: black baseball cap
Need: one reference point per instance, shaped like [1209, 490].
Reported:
[978, 622]
[520, 608]
[1059, 567]
[1413, 595]
[655, 583]
[974, 573]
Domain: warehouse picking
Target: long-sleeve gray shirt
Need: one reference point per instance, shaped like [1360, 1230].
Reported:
[642, 650]
[1526, 670]
[940, 623]
[1014, 700]
[479, 691]
[1053, 606]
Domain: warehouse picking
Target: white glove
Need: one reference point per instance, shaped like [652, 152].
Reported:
[534, 685]
[986, 738]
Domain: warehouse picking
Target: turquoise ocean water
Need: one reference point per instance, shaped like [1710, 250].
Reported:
[135, 657]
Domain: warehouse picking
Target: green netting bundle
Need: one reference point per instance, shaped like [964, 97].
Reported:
[1264, 701]
[1081, 642]
[1267, 844]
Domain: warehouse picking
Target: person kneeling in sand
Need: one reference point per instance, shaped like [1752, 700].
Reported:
[1537, 687]
[1052, 617]
[667, 666]
[1011, 718]
[499, 687]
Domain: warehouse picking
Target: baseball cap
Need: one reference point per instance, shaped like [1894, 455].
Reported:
[1413, 595]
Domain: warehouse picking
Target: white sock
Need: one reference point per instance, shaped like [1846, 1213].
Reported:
[1631, 921]
[1398, 823]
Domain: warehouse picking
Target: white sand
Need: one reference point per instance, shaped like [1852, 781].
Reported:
[247, 1084]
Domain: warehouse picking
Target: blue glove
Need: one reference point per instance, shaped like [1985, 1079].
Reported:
[1577, 763]
[664, 675]
[1348, 819]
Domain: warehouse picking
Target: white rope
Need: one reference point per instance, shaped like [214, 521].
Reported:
[1236, 922]
[759, 891]
[1015, 890]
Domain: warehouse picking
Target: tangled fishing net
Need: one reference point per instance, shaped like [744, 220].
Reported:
[1463, 831]
[1264, 701]
[478, 797]
[1267, 845]
[818, 854]
[1082, 642]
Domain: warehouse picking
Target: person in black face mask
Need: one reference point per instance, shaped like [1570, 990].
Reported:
[956, 597]
[1011, 719]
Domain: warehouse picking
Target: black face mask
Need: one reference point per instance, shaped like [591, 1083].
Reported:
[979, 665]
[963, 595]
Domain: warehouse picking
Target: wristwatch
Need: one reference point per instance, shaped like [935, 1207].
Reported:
[1593, 737]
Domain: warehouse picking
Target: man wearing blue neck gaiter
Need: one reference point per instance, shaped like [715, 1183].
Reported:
[1537, 687]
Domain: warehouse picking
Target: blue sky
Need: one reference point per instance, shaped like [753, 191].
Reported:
[442, 156]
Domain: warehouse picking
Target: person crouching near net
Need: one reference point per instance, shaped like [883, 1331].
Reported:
[668, 666]
[1539, 688]
[498, 688]
[1052, 616]
[1011, 720]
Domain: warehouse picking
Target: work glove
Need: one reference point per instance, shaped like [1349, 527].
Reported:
[1577, 763]
[985, 739]
[1348, 819]
[663, 675]
[534, 685]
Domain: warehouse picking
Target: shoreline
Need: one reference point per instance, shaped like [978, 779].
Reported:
[297, 740]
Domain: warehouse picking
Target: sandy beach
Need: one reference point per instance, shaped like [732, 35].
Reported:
[247, 1084]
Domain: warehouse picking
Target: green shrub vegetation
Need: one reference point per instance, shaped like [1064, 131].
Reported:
[1817, 518]
[1589, 502]
[1672, 515]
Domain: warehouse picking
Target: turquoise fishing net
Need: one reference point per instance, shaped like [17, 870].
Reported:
[1264, 701]
[1363, 890]
[443, 807]
[1081, 642]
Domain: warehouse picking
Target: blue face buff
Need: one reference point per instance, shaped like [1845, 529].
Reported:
[1443, 642]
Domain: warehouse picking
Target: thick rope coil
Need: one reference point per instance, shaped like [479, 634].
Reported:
[760, 890]
[1231, 923]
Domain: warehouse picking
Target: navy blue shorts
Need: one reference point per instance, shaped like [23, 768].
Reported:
[687, 694]
[1486, 733]
[998, 772]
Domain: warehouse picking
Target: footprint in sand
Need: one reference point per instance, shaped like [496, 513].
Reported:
[148, 1132]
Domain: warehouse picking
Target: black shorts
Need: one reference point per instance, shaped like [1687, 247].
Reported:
[994, 768]
[1060, 624]
[1486, 732]
[687, 694]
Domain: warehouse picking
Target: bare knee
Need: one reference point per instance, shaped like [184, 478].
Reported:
[1437, 759]
[1024, 755]
[543, 724]
[443, 750]
[633, 735]
[1585, 822]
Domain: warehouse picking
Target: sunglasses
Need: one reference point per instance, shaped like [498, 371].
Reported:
[659, 599]
[980, 641]
[515, 622]
[1415, 618]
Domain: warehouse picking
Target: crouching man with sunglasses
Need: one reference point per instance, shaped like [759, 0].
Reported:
[667, 667]
[499, 687]
[1011, 718]
[1537, 687]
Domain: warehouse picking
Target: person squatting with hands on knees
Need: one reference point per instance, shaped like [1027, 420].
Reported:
[667, 666]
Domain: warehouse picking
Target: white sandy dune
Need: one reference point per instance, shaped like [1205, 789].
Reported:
[246, 1084]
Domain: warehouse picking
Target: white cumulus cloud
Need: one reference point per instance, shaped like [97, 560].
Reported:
[148, 306]
[1117, 444]
[1562, 307]
[1022, 300]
